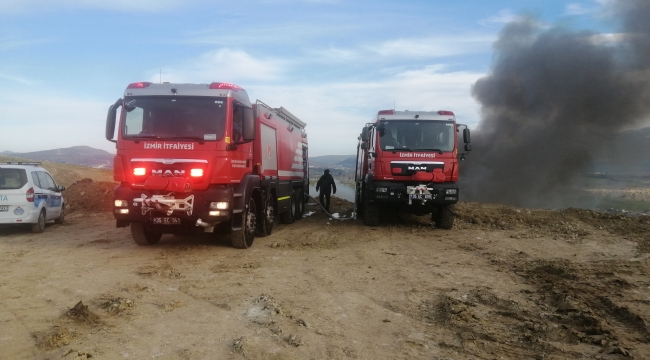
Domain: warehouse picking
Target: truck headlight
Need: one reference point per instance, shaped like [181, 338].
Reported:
[121, 203]
[381, 189]
[221, 205]
[451, 191]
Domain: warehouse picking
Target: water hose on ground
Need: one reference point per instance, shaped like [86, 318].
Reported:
[326, 212]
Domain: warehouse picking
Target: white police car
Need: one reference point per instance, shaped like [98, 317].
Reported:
[29, 195]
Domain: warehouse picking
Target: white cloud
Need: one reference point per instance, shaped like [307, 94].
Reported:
[502, 17]
[8, 43]
[408, 48]
[433, 47]
[336, 112]
[42, 119]
[223, 65]
[15, 79]
[119, 5]
[593, 8]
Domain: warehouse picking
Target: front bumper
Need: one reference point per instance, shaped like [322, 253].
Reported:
[146, 206]
[401, 193]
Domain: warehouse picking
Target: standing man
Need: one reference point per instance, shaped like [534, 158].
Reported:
[325, 184]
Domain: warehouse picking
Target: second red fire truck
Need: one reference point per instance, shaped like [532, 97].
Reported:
[202, 158]
[408, 161]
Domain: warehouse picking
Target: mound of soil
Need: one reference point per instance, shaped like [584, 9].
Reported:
[90, 196]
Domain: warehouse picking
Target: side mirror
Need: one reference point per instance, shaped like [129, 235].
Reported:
[364, 134]
[60, 188]
[468, 147]
[110, 120]
[248, 131]
[364, 146]
[466, 136]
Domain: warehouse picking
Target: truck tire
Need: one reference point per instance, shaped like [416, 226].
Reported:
[287, 216]
[300, 204]
[242, 233]
[39, 226]
[370, 213]
[266, 221]
[142, 236]
[444, 219]
[357, 201]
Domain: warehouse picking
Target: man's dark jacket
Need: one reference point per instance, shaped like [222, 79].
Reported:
[326, 184]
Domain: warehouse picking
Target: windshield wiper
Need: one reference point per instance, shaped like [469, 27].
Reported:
[145, 136]
[199, 139]
[438, 150]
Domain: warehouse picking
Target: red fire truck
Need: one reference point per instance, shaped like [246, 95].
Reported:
[408, 161]
[201, 158]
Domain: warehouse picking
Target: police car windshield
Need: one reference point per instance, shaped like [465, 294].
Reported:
[166, 117]
[409, 135]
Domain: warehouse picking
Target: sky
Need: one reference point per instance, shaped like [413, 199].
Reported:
[332, 63]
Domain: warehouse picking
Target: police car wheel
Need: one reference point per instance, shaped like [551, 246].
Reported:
[39, 226]
[61, 218]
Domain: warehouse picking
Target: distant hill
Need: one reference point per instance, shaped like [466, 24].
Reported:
[76, 155]
[333, 161]
[67, 174]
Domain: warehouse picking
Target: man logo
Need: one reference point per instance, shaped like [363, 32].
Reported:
[417, 168]
[168, 173]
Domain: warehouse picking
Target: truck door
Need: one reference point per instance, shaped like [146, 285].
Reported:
[269, 150]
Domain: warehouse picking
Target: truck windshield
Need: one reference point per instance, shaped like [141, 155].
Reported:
[408, 135]
[167, 117]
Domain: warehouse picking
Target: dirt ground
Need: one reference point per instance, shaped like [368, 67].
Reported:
[505, 283]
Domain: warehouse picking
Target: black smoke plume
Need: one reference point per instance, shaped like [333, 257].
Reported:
[553, 99]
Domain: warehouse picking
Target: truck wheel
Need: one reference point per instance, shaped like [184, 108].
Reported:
[300, 204]
[39, 227]
[444, 219]
[370, 213]
[287, 216]
[357, 201]
[265, 223]
[61, 218]
[142, 236]
[243, 231]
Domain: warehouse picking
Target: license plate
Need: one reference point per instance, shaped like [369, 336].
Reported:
[166, 220]
[420, 197]
[4, 207]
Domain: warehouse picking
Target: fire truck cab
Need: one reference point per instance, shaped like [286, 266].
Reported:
[202, 158]
[408, 161]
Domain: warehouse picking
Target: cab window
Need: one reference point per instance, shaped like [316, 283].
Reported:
[237, 123]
